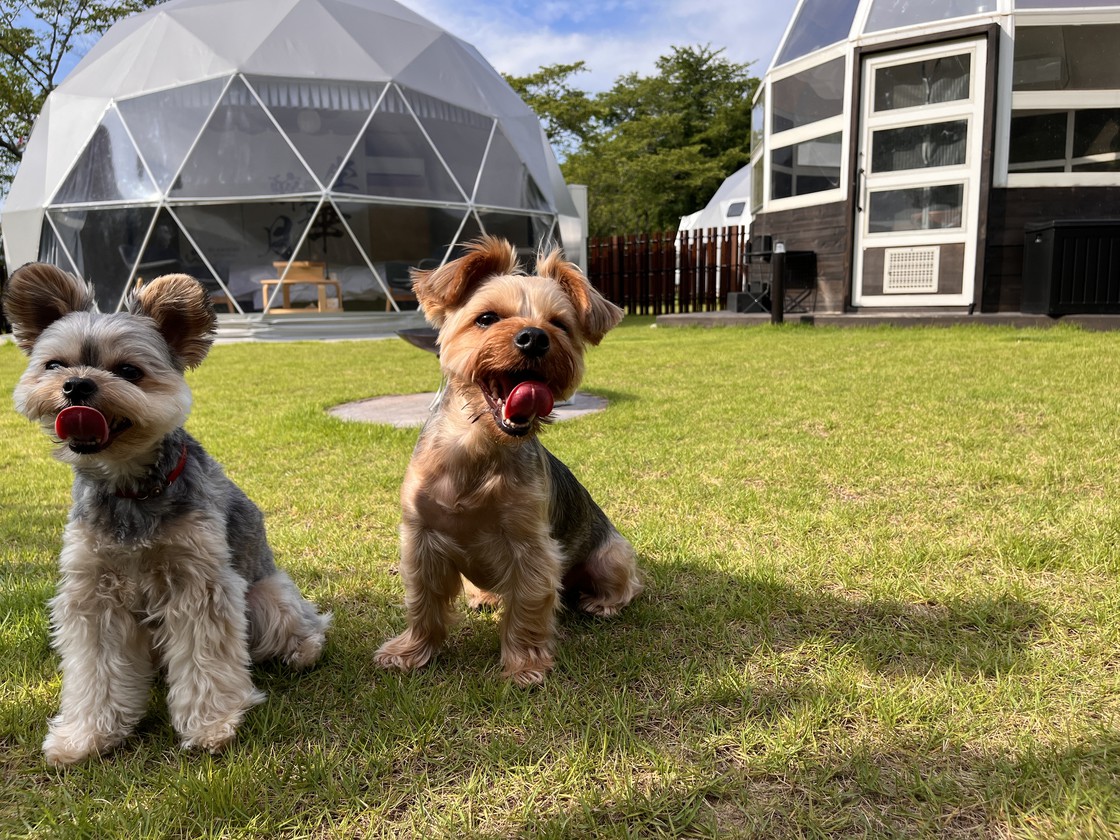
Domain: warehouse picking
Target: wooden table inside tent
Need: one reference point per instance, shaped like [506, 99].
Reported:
[302, 273]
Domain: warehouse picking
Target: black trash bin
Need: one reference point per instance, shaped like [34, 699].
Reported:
[1072, 267]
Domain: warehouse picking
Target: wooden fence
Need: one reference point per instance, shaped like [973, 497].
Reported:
[671, 271]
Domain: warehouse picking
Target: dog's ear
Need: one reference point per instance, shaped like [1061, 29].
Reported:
[597, 315]
[37, 295]
[183, 314]
[446, 288]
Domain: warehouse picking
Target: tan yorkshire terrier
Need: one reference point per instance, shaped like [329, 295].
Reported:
[482, 498]
[164, 560]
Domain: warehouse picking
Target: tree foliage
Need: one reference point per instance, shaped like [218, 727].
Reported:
[38, 39]
[650, 149]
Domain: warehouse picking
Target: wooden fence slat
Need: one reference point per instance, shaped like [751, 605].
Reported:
[670, 271]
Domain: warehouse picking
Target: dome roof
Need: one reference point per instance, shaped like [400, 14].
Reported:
[161, 79]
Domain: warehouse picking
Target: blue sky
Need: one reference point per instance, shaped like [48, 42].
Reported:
[613, 37]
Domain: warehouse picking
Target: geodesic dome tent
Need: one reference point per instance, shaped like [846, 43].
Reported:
[245, 140]
[919, 147]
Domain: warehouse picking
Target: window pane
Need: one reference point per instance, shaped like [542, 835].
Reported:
[887, 14]
[756, 183]
[1066, 57]
[1096, 132]
[818, 24]
[1098, 166]
[109, 169]
[322, 119]
[916, 208]
[100, 242]
[919, 146]
[758, 123]
[505, 180]
[804, 168]
[165, 124]
[812, 95]
[459, 135]
[241, 153]
[927, 82]
[1038, 135]
[1062, 4]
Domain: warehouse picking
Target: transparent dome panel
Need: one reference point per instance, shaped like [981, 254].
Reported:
[243, 242]
[240, 153]
[395, 239]
[505, 180]
[1064, 4]
[818, 23]
[460, 136]
[321, 118]
[889, 14]
[526, 232]
[165, 124]
[108, 169]
[101, 242]
[51, 251]
[394, 159]
[804, 168]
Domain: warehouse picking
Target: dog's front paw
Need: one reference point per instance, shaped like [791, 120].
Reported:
[66, 745]
[213, 739]
[527, 667]
[404, 653]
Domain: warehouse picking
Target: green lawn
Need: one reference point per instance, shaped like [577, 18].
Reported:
[882, 601]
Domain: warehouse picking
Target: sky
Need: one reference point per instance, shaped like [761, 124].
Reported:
[613, 37]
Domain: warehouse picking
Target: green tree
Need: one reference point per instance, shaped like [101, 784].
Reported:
[38, 41]
[650, 149]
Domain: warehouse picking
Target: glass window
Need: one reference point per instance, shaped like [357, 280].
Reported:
[322, 119]
[818, 23]
[1062, 4]
[505, 180]
[887, 14]
[241, 153]
[735, 209]
[758, 123]
[108, 169]
[807, 97]
[1066, 57]
[1096, 131]
[395, 160]
[757, 183]
[165, 124]
[1038, 136]
[916, 208]
[101, 243]
[459, 135]
[928, 82]
[919, 146]
[803, 168]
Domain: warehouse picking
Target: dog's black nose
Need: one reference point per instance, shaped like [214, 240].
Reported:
[78, 388]
[531, 341]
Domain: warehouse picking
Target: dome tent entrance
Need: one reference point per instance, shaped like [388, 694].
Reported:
[352, 138]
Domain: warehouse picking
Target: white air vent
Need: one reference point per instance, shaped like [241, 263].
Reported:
[910, 270]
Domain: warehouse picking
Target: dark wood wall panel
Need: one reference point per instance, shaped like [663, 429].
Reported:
[1010, 211]
[823, 229]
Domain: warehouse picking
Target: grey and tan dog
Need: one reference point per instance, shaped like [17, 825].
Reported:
[164, 560]
[482, 498]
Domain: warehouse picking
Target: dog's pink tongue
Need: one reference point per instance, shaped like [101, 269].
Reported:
[526, 401]
[80, 422]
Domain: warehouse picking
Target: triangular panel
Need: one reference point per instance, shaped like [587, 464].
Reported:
[241, 153]
[103, 243]
[108, 169]
[321, 118]
[244, 242]
[395, 160]
[505, 179]
[459, 135]
[165, 124]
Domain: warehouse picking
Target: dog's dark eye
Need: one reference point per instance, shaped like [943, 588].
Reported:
[560, 325]
[129, 373]
[53, 364]
[487, 319]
